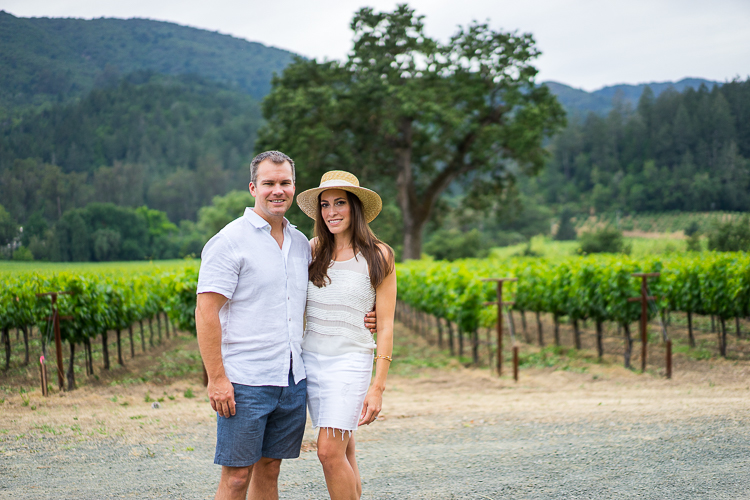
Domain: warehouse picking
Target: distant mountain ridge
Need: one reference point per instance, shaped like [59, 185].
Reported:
[578, 101]
[53, 59]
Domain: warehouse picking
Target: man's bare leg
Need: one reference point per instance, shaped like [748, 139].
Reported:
[264, 483]
[233, 483]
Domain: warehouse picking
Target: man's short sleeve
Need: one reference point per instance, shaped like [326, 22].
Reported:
[220, 267]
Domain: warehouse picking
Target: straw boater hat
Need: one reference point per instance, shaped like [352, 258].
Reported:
[338, 179]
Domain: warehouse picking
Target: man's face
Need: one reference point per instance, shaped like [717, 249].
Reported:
[274, 192]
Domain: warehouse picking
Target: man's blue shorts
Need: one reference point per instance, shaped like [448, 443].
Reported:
[269, 422]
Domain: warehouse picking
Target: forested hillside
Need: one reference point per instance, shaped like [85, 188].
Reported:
[678, 151]
[44, 59]
[171, 143]
[578, 102]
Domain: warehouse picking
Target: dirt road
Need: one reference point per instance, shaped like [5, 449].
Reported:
[460, 433]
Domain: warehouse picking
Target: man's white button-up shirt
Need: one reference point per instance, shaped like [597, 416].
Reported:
[261, 323]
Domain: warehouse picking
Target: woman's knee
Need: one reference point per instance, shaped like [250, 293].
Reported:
[330, 451]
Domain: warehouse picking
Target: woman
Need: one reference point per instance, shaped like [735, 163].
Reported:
[351, 272]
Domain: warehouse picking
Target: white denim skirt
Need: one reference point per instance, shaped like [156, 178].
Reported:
[336, 388]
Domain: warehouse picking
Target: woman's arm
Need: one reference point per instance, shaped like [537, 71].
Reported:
[385, 307]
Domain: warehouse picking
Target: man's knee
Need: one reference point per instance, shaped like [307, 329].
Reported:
[236, 478]
[269, 468]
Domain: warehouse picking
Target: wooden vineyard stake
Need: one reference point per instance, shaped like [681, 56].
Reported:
[58, 339]
[643, 299]
[500, 305]
[43, 370]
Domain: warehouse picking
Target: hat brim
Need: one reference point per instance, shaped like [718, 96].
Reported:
[371, 202]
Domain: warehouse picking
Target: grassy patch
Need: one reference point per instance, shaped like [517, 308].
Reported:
[557, 357]
[699, 352]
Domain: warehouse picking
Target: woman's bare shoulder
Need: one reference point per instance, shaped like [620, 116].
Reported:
[387, 252]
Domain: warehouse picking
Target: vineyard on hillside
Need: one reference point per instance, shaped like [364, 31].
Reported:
[110, 300]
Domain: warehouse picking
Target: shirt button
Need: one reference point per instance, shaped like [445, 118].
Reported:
[290, 319]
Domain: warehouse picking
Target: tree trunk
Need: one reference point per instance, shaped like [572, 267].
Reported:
[691, 337]
[119, 349]
[488, 333]
[89, 357]
[105, 350]
[539, 331]
[511, 324]
[576, 334]
[713, 324]
[25, 331]
[628, 344]
[6, 342]
[525, 328]
[439, 325]
[132, 347]
[143, 339]
[723, 338]
[150, 332]
[599, 338]
[71, 370]
[475, 346]
[450, 337]
[460, 342]
[664, 323]
[736, 327]
[166, 327]
[158, 325]
[556, 319]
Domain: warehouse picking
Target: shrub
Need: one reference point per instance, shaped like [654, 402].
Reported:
[565, 231]
[731, 236]
[693, 228]
[452, 244]
[605, 240]
[23, 254]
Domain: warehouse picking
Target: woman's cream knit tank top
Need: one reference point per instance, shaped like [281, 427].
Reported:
[335, 313]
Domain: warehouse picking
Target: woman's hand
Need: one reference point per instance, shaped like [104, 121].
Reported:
[371, 407]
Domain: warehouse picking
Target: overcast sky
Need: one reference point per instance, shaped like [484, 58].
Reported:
[585, 43]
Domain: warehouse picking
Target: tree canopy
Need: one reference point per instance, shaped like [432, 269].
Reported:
[412, 116]
[687, 151]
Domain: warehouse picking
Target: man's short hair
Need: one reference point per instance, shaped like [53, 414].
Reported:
[275, 156]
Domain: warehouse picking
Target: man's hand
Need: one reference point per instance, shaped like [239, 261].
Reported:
[221, 395]
[371, 321]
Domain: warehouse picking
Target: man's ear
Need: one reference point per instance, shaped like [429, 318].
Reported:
[251, 187]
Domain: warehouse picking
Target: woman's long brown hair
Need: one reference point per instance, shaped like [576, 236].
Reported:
[379, 263]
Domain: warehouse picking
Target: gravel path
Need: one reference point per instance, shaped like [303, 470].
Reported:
[459, 435]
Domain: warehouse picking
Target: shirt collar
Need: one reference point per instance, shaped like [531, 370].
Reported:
[260, 223]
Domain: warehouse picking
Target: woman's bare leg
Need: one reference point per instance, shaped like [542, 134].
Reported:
[340, 476]
[353, 462]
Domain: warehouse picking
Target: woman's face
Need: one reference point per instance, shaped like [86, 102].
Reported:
[336, 210]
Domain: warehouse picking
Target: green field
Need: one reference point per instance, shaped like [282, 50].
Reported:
[548, 248]
[95, 267]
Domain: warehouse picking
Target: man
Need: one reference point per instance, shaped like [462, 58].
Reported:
[252, 289]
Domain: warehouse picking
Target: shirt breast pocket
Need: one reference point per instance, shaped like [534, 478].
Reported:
[299, 270]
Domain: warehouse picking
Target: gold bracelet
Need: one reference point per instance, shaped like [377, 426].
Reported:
[381, 356]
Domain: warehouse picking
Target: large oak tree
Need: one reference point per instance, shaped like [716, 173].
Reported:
[408, 112]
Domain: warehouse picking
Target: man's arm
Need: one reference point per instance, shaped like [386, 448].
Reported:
[208, 327]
